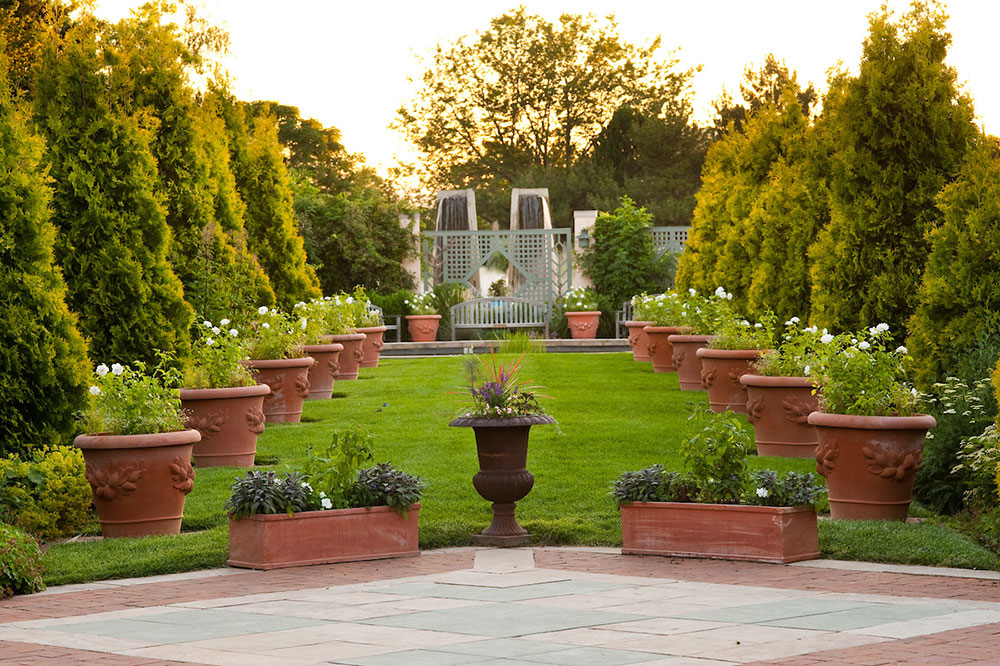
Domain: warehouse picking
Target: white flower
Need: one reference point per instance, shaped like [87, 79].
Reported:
[763, 492]
[794, 320]
[326, 503]
[262, 309]
[224, 322]
[102, 369]
[206, 324]
[882, 328]
[729, 296]
[216, 330]
[305, 485]
[812, 329]
[863, 345]
[233, 332]
[95, 390]
[757, 325]
[350, 299]
[117, 368]
[826, 339]
[692, 292]
[209, 342]
[914, 392]
[720, 292]
[901, 349]
[948, 411]
[265, 325]
[304, 323]
[807, 370]
[789, 322]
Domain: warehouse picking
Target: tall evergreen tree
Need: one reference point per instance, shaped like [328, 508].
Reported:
[43, 361]
[900, 131]
[113, 239]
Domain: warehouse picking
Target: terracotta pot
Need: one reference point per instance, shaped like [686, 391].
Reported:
[139, 482]
[423, 328]
[724, 531]
[583, 325]
[686, 360]
[372, 345]
[229, 420]
[320, 537]
[721, 370]
[503, 477]
[289, 382]
[638, 341]
[326, 365]
[352, 356]
[869, 462]
[778, 408]
[659, 347]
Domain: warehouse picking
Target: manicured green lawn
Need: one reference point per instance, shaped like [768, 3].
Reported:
[614, 415]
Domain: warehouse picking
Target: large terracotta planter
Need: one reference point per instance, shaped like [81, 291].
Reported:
[778, 408]
[583, 325]
[320, 537]
[289, 382]
[229, 420]
[721, 370]
[423, 328]
[686, 359]
[352, 356]
[724, 531]
[659, 347]
[372, 345]
[869, 462]
[503, 477]
[139, 482]
[638, 341]
[326, 365]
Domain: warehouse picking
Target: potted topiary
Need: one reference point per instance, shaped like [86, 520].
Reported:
[424, 321]
[781, 394]
[870, 435]
[274, 350]
[665, 314]
[730, 355]
[333, 510]
[717, 509]
[221, 400]
[703, 315]
[582, 312]
[503, 411]
[343, 317]
[637, 339]
[138, 457]
[318, 345]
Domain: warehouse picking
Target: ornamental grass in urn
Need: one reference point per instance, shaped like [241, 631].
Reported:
[503, 410]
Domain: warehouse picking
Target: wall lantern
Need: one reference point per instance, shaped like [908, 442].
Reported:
[583, 239]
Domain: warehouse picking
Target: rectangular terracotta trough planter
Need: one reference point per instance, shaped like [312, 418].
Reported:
[275, 541]
[724, 531]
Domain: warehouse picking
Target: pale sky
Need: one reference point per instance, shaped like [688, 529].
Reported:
[347, 63]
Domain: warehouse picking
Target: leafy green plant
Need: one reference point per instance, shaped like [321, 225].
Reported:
[734, 333]
[498, 288]
[334, 470]
[496, 389]
[518, 342]
[215, 358]
[275, 335]
[665, 309]
[423, 304]
[383, 484]
[264, 492]
[47, 495]
[705, 315]
[978, 464]
[795, 355]
[579, 299]
[20, 562]
[127, 401]
[445, 296]
[715, 457]
[652, 484]
[767, 488]
[395, 303]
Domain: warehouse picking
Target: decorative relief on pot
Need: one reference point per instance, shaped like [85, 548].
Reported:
[633, 340]
[890, 465]
[208, 424]
[302, 385]
[650, 347]
[277, 386]
[378, 344]
[708, 376]
[754, 407]
[359, 353]
[797, 411]
[255, 420]
[826, 453]
[114, 482]
[334, 368]
[583, 325]
[678, 358]
[182, 474]
[734, 378]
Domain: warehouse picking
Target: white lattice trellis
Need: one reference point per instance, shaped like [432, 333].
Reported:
[668, 239]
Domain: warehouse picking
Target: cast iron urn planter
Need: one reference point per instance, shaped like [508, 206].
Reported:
[503, 477]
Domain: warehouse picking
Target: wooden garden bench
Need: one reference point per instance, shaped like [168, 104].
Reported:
[499, 312]
[622, 316]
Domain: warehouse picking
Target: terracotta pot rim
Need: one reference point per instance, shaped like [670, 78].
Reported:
[271, 363]
[688, 337]
[525, 420]
[917, 422]
[703, 506]
[372, 329]
[430, 316]
[777, 381]
[348, 337]
[638, 322]
[669, 330]
[225, 392]
[741, 354]
[143, 441]
[324, 513]
[589, 313]
[323, 348]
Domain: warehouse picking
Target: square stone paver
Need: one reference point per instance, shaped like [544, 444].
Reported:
[515, 593]
[868, 615]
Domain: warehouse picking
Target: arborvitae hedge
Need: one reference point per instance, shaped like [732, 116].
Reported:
[113, 240]
[900, 133]
[960, 292]
[43, 360]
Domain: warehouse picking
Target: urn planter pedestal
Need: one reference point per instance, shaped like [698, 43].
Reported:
[721, 370]
[583, 325]
[326, 365]
[352, 355]
[869, 462]
[723, 531]
[139, 482]
[638, 341]
[503, 477]
[372, 345]
[686, 360]
[778, 408]
[288, 379]
[423, 328]
[229, 421]
[275, 541]
[659, 347]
